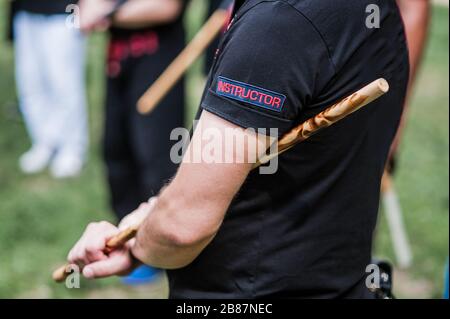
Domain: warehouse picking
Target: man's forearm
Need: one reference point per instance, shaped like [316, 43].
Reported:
[143, 13]
[162, 242]
[186, 216]
[191, 209]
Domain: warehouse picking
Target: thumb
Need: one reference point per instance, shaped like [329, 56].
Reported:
[118, 263]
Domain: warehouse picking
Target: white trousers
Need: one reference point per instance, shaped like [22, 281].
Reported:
[50, 71]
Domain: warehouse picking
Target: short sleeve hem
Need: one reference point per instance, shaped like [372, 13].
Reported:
[243, 116]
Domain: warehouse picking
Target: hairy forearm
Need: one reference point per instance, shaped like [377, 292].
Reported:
[188, 213]
[143, 13]
[161, 243]
[177, 231]
[190, 210]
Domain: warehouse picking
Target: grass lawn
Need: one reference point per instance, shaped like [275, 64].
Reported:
[40, 218]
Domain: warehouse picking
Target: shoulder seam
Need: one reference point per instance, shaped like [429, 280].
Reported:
[307, 19]
[317, 31]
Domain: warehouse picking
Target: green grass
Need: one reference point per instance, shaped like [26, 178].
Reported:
[41, 218]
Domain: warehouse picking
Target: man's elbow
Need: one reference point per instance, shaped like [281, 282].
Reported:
[177, 248]
[187, 245]
[180, 238]
[183, 232]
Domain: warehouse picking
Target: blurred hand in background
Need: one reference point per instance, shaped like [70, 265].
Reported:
[94, 15]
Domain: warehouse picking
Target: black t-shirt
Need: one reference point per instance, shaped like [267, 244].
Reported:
[305, 231]
[43, 6]
[211, 51]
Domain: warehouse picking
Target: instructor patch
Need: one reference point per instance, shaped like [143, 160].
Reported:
[250, 94]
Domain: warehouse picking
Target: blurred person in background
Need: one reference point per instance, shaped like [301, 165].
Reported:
[145, 36]
[416, 18]
[226, 232]
[49, 58]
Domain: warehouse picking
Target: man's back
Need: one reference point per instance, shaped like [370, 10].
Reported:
[305, 231]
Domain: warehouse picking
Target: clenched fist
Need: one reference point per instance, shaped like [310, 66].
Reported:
[90, 252]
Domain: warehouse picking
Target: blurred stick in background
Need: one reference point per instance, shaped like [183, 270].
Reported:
[185, 59]
[395, 222]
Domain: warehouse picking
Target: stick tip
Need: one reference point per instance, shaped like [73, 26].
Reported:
[146, 104]
[383, 85]
[59, 275]
[141, 107]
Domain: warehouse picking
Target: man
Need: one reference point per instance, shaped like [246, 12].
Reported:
[146, 35]
[49, 57]
[305, 231]
[416, 17]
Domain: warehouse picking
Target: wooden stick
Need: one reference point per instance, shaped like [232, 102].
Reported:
[328, 117]
[178, 67]
[300, 133]
[394, 218]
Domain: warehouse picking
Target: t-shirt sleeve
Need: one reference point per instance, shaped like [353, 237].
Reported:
[271, 63]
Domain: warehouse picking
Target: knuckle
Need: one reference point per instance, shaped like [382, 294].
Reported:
[76, 258]
[90, 249]
[73, 256]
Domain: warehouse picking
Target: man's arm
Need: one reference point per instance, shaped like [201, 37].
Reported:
[145, 13]
[187, 213]
[190, 210]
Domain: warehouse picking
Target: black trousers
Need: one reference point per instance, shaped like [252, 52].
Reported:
[136, 148]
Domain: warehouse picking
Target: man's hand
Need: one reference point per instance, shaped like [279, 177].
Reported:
[89, 252]
[90, 255]
[94, 15]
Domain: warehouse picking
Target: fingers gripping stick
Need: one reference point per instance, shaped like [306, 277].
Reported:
[60, 274]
